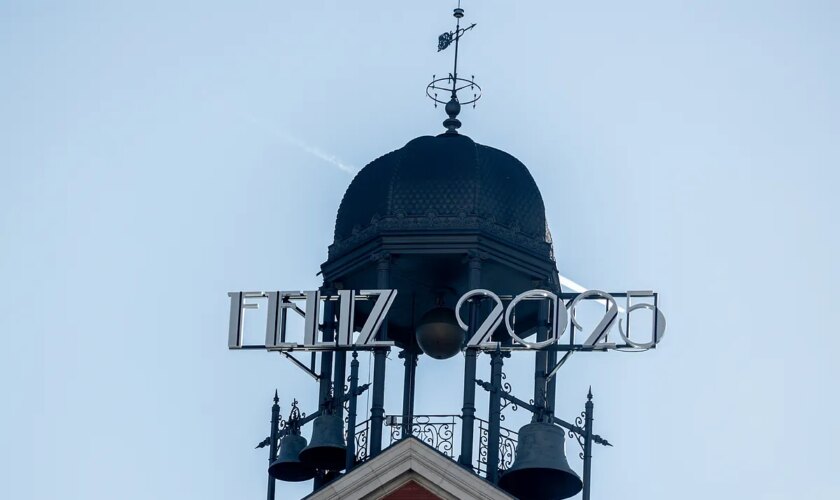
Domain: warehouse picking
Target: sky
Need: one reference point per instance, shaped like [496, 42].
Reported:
[156, 155]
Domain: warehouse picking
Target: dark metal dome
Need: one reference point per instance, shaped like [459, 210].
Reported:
[443, 182]
[427, 213]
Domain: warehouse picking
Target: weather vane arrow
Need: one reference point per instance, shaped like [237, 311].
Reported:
[446, 39]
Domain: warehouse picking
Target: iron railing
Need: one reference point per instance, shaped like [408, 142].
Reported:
[508, 441]
[441, 433]
[362, 445]
[438, 431]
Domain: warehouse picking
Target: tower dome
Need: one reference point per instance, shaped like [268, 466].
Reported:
[432, 209]
[447, 182]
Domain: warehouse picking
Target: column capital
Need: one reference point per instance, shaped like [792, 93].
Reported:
[382, 259]
[474, 258]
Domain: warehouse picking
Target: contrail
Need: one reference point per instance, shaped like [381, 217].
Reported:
[312, 150]
[344, 167]
[318, 153]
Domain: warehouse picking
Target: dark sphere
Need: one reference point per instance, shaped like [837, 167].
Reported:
[452, 108]
[438, 333]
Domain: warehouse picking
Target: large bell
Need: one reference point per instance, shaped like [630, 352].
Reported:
[326, 450]
[540, 470]
[287, 466]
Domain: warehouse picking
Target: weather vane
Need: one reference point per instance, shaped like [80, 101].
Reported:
[452, 83]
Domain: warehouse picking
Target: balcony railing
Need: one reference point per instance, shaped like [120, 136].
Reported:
[438, 431]
[508, 441]
[441, 432]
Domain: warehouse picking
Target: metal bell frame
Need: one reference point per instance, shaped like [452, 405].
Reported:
[287, 466]
[281, 428]
[581, 430]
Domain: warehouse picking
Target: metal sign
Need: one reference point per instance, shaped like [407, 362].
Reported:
[563, 307]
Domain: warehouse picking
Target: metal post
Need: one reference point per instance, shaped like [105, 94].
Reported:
[414, 359]
[587, 446]
[551, 386]
[408, 391]
[551, 362]
[272, 446]
[338, 382]
[470, 358]
[326, 368]
[541, 364]
[494, 416]
[351, 413]
[377, 408]
[327, 356]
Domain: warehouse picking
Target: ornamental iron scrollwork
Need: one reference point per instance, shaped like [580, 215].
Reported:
[507, 448]
[505, 403]
[508, 440]
[579, 421]
[444, 41]
[361, 437]
[437, 431]
[346, 403]
[295, 416]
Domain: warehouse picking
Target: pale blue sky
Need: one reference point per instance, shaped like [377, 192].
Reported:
[156, 155]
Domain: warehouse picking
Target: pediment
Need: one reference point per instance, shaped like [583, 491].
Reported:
[410, 469]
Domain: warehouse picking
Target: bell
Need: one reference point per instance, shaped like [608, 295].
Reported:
[326, 450]
[287, 466]
[540, 470]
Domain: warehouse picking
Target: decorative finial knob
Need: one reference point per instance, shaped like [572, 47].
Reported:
[452, 124]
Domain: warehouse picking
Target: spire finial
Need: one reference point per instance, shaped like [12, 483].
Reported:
[276, 398]
[452, 83]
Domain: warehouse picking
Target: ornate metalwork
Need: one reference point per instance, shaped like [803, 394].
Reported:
[444, 40]
[508, 441]
[438, 431]
[292, 423]
[483, 438]
[294, 413]
[579, 421]
[361, 437]
[453, 84]
[507, 448]
[506, 388]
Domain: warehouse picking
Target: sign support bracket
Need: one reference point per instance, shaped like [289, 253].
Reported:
[300, 365]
